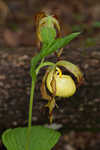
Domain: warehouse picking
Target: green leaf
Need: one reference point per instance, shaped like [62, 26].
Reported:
[58, 43]
[61, 42]
[47, 34]
[37, 58]
[41, 138]
[34, 62]
[96, 24]
[51, 47]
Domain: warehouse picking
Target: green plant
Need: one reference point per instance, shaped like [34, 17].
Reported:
[28, 138]
[96, 24]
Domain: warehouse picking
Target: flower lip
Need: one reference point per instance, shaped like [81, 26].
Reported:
[59, 84]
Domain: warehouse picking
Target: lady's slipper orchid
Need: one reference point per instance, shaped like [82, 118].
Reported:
[59, 84]
[45, 19]
[64, 84]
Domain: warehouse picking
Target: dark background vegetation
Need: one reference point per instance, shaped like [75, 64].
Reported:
[78, 116]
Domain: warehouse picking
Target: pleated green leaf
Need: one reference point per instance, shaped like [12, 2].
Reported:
[41, 138]
[51, 47]
[48, 34]
[60, 43]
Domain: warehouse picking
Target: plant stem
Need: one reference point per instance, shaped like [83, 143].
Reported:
[30, 114]
[43, 65]
[31, 102]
